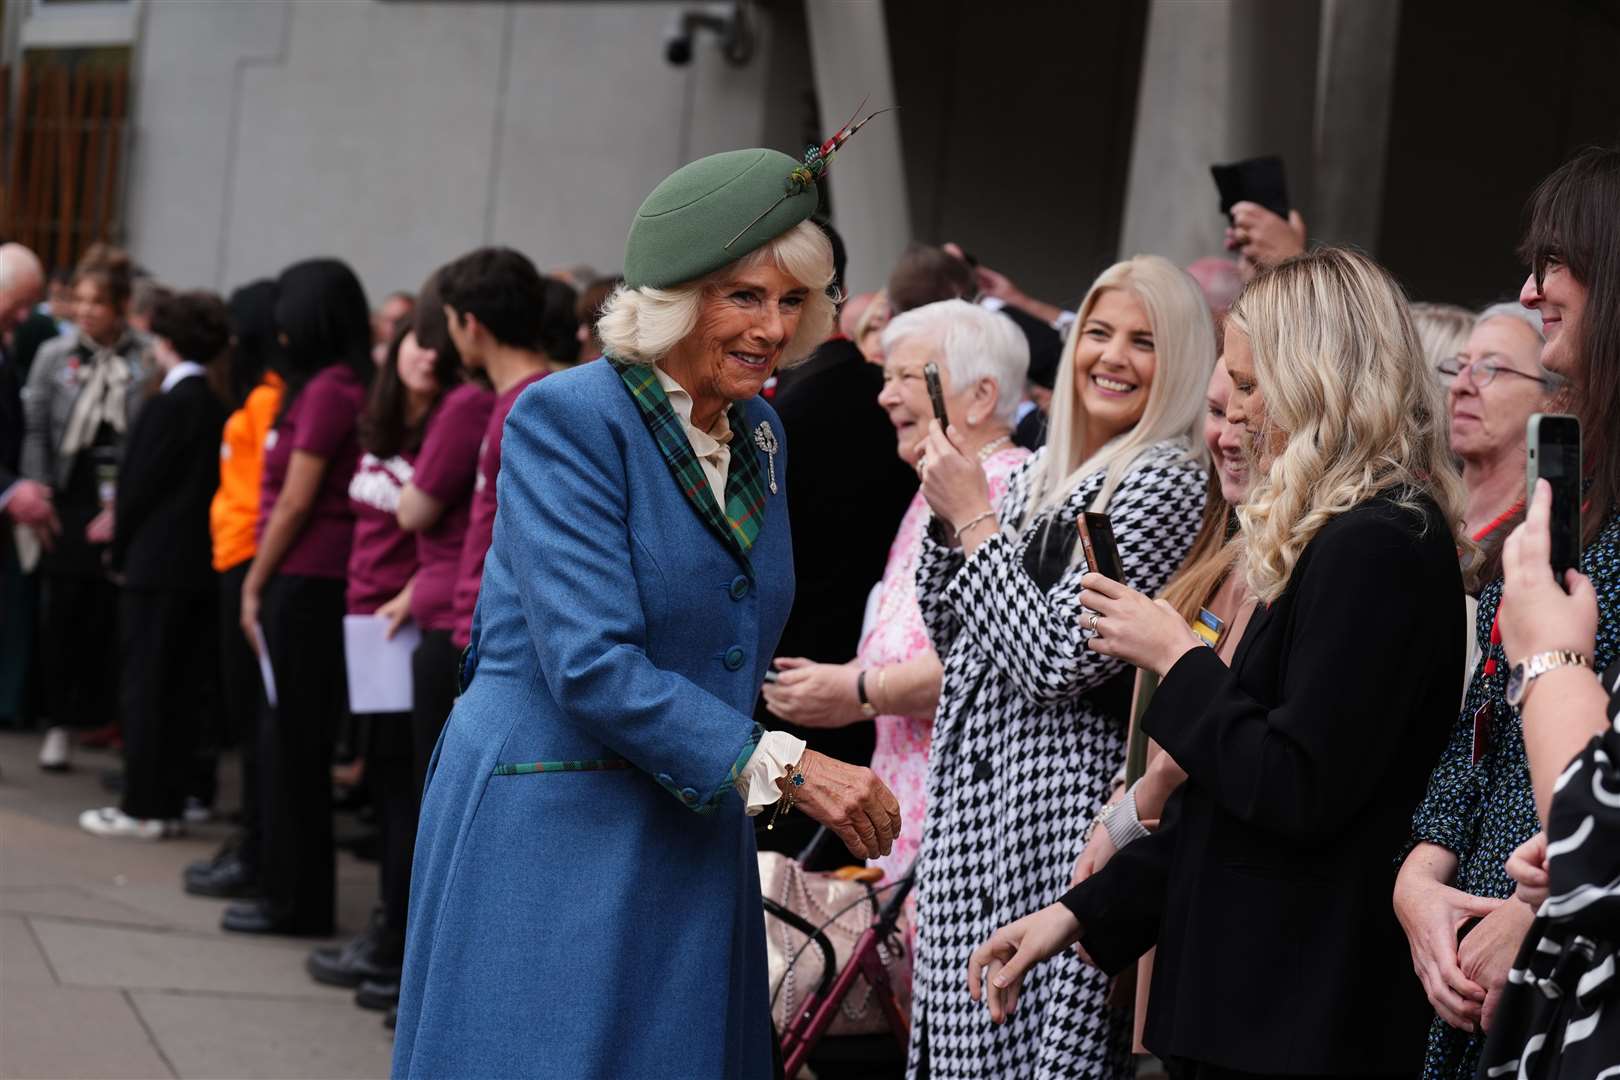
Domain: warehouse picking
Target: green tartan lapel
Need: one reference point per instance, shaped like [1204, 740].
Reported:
[739, 525]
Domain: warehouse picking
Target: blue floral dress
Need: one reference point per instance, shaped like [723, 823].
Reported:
[1481, 812]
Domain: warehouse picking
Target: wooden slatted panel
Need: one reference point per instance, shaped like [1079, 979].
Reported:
[62, 147]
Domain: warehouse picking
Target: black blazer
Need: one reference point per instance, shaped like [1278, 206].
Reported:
[848, 493]
[167, 480]
[1268, 888]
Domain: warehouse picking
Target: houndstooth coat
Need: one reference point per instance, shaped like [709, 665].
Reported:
[1029, 732]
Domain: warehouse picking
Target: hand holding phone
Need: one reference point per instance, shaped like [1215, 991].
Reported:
[936, 394]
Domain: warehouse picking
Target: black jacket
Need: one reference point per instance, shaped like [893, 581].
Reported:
[1268, 888]
[11, 420]
[165, 485]
[848, 491]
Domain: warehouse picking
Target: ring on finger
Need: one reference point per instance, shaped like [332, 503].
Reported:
[1092, 620]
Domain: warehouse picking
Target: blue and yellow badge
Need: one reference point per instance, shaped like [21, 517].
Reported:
[1208, 628]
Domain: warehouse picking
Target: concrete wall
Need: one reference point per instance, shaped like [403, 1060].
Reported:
[398, 135]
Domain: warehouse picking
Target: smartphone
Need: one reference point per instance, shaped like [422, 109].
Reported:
[1097, 541]
[936, 393]
[1257, 180]
[1553, 446]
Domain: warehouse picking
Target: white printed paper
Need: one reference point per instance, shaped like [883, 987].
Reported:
[379, 667]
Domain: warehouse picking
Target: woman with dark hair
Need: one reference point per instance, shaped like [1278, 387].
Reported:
[161, 548]
[293, 594]
[1480, 805]
[79, 405]
[408, 392]
[255, 392]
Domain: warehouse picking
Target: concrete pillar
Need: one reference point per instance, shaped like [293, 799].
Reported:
[1354, 89]
[849, 52]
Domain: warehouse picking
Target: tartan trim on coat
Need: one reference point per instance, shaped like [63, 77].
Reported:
[706, 804]
[525, 768]
[739, 525]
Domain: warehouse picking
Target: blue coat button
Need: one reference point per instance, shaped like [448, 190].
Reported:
[739, 586]
[689, 797]
[734, 658]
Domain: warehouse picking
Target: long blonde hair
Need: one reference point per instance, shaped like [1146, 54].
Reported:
[1344, 375]
[1184, 345]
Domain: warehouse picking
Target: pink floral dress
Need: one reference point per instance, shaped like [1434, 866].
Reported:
[896, 635]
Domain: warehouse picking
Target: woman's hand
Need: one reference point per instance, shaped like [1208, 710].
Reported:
[814, 695]
[100, 529]
[1536, 615]
[1528, 866]
[249, 619]
[1430, 913]
[1263, 238]
[1487, 953]
[1094, 856]
[996, 969]
[954, 485]
[398, 610]
[851, 801]
[1126, 624]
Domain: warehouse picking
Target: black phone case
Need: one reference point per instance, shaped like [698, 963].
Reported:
[1257, 180]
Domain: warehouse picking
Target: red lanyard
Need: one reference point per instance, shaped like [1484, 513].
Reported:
[1496, 627]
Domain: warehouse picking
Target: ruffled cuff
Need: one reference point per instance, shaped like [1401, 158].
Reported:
[777, 752]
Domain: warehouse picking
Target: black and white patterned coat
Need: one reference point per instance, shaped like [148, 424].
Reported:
[1022, 756]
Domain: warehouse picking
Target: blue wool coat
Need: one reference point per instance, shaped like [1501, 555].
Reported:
[607, 923]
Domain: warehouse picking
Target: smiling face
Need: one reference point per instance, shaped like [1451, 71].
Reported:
[1562, 301]
[1489, 421]
[1223, 439]
[905, 394]
[416, 367]
[745, 321]
[1114, 364]
[1246, 408]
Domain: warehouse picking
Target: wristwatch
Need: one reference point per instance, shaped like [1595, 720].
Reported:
[1531, 668]
[868, 711]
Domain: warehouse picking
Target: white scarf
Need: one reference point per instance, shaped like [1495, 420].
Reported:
[101, 396]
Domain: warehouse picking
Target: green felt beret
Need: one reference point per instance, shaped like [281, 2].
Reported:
[682, 230]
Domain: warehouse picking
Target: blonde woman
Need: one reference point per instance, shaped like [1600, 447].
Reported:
[1031, 726]
[1267, 886]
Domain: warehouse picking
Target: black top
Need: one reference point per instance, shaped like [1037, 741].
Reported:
[1267, 890]
[848, 491]
[165, 485]
[11, 420]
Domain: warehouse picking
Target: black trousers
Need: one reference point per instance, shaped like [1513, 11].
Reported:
[434, 683]
[303, 628]
[79, 647]
[390, 773]
[169, 664]
[239, 697]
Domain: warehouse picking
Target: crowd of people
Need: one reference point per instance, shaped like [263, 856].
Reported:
[1322, 784]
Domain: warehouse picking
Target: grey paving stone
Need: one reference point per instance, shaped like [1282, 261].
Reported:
[228, 1036]
[62, 1031]
[21, 962]
[66, 902]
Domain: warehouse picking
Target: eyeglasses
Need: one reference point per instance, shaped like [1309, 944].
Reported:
[1482, 372]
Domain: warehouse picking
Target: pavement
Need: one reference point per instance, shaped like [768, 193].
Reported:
[108, 969]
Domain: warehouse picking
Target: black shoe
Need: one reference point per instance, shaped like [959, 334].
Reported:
[392, 1018]
[378, 994]
[254, 917]
[224, 876]
[352, 963]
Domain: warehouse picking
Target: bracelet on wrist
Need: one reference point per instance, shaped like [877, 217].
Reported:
[964, 527]
[792, 784]
[867, 709]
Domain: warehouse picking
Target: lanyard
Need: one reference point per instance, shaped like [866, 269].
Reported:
[1496, 624]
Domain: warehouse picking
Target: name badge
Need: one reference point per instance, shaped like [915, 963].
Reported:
[1482, 731]
[1208, 628]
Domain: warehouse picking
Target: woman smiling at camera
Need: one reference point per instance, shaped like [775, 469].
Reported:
[1267, 887]
[1031, 726]
[585, 900]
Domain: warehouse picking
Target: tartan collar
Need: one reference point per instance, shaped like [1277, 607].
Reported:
[738, 525]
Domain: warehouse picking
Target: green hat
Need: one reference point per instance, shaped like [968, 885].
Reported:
[712, 212]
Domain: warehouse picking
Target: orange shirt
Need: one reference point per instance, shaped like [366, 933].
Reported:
[234, 514]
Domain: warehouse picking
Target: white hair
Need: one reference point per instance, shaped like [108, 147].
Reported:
[1512, 309]
[642, 325]
[17, 263]
[975, 343]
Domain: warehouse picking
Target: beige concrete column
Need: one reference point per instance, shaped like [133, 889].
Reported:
[1354, 88]
[849, 52]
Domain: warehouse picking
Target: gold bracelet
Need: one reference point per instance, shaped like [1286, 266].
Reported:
[790, 795]
[882, 687]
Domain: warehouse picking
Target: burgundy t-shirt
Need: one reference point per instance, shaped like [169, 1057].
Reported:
[382, 557]
[322, 422]
[481, 523]
[447, 469]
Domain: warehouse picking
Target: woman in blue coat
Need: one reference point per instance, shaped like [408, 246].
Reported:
[585, 900]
